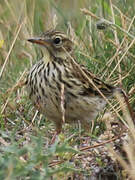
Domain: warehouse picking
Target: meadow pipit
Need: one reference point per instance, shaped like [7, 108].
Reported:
[83, 92]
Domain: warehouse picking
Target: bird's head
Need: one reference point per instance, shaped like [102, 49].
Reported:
[57, 43]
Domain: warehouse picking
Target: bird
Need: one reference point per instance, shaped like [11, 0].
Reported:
[84, 94]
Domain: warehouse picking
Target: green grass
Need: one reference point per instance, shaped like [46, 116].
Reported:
[25, 135]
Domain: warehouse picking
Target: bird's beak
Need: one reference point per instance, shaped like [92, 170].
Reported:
[40, 41]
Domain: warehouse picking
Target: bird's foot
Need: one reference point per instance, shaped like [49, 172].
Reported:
[55, 135]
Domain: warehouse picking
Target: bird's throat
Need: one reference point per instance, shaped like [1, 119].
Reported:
[63, 55]
[48, 56]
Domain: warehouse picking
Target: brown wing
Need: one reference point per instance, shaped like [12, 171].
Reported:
[90, 81]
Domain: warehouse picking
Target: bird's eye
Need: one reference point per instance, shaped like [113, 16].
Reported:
[57, 40]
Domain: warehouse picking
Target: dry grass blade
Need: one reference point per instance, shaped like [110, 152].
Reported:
[129, 145]
[86, 12]
[33, 119]
[113, 18]
[118, 49]
[131, 44]
[12, 45]
[11, 10]
[116, 40]
[62, 103]
[120, 12]
[20, 83]
[126, 113]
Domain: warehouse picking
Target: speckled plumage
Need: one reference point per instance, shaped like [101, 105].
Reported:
[82, 100]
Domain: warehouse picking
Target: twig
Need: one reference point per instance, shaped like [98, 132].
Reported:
[101, 144]
[55, 163]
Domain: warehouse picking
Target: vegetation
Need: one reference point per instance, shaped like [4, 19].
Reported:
[104, 36]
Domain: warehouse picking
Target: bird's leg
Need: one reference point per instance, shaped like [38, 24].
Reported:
[57, 132]
[86, 127]
[54, 137]
[37, 104]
